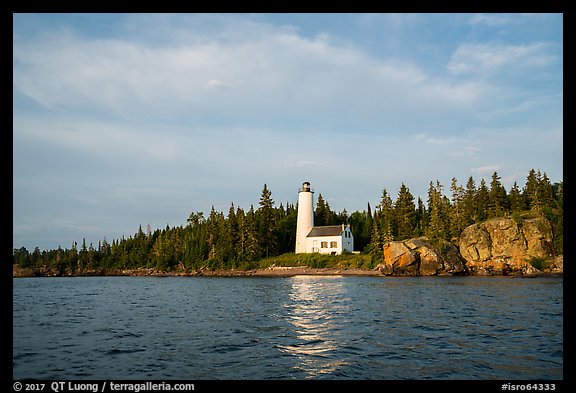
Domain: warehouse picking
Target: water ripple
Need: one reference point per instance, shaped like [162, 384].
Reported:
[288, 328]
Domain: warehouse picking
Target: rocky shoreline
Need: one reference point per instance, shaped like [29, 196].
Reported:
[275, 271]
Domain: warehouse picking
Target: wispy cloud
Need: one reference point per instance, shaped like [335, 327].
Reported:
[276, 74]
[492, 19]
[486, 169]
[481, 58]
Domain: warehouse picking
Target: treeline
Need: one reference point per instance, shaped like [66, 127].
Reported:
[239, 238]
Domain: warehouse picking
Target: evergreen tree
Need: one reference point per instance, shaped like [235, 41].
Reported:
[458, 219]
[375, 248]
[530, 192]
[286, 231]
[558, 221]
[323, 215]
[213, 234]
[482, 197]
[469, 206]
[36, 257]
[497, 198]
[546, 192]
[196, 250]
[21, 256]
[267, 222]
[242, 234]
[231, 238]
[517, 202]
[72, 258]
[343, 217]
[404, 213]
[83, 256]
[366, 234]
[437, 228]
[195, 218]
[357, 222]
[252, 250]
[421, 219]
[141, 252]
[386, 217]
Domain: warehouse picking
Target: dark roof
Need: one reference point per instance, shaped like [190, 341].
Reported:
[329, 230]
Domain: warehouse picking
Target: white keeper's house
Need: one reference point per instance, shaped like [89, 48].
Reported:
[330, 239]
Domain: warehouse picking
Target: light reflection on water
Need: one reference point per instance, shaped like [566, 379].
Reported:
[315, 302]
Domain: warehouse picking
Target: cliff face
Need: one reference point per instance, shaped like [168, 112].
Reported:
[502, 246]
[496, 247]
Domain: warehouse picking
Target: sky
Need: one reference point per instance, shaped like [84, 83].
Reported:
[128, 120]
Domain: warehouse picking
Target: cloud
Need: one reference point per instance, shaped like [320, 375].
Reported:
[485, 170]
[492, 19]
[304, 164]
[477, 58]
[279, 74]
[217, 84]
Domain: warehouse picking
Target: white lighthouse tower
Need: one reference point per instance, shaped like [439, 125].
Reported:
[305, 221]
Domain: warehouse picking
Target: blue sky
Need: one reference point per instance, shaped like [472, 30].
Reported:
[121, 120]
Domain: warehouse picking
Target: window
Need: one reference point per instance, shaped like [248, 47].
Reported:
[323, 244]
[333, 244]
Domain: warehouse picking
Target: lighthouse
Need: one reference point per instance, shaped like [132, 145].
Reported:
[328, 239]
[305, 221]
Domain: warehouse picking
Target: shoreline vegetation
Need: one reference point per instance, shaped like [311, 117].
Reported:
[286, 265]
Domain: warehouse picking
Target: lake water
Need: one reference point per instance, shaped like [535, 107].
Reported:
[302, 327]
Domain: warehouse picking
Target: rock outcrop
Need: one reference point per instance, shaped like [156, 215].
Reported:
[503, 246]
[419, 257]
[499, 246]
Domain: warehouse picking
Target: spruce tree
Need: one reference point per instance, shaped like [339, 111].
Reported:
[231, 239]
[366, 234]
[213, 233]
[437, 228]
[386, 217]
[421, 219]
[458, 221]
[321, 212]
[482, 196]
[375, 247]
[252, 249]
[517, 203]
[497, 198]
[404, 217]
[546, 192]
[530, 192]
[469, 206]
[267, 222]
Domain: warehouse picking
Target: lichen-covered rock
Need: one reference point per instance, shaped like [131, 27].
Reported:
[538, 235]
[419, 257]
[400, 260]
[475, 244]
[502, 246]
